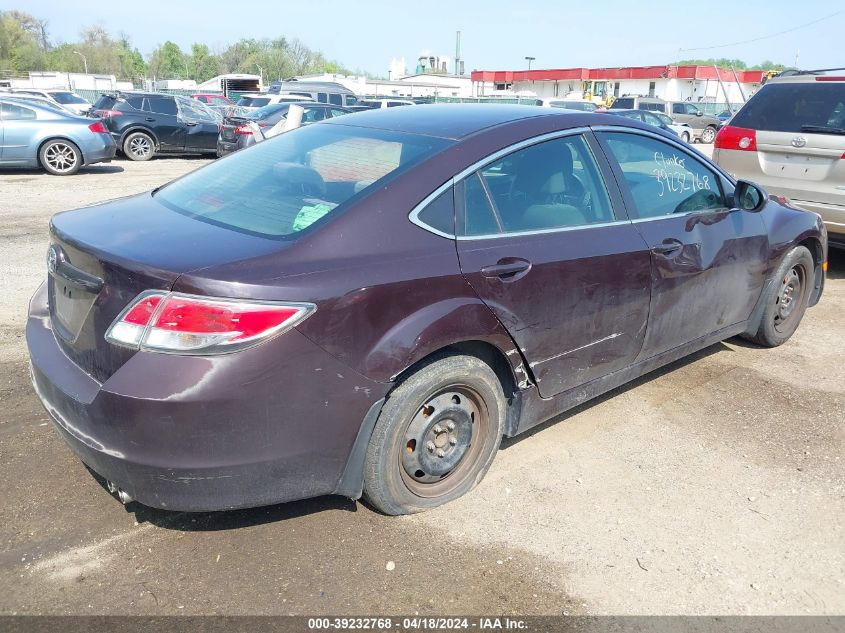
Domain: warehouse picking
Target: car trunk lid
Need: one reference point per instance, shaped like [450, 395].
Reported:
[95, 272]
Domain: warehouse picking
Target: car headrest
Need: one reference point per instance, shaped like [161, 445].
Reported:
[300, 179]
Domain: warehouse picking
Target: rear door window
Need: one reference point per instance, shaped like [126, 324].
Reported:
[662, 179]
[336, 99]
[795, 107]
[322, 97]
[160, 105]
[546, 186]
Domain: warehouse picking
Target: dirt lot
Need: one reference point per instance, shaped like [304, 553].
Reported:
[713, 486]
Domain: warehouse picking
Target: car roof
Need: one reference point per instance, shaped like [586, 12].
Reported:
[449, 120]
[810, 76]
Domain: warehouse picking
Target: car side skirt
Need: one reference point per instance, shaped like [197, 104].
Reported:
[536, 410]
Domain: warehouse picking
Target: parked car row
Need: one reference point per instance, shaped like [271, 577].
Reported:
[704, 126]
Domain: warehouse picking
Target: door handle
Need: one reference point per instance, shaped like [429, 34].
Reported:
[150, 119]
[190, 123]
[506, 269]
[668, 247]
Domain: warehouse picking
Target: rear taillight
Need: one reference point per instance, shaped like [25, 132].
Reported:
[246, 129]
[98, 128]
[189, 324]
[740, 138]
[106, 114]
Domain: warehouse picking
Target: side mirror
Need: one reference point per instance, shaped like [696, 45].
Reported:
[748, 196]
[699, 113]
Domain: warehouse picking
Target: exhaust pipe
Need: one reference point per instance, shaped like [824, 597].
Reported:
[124, 497]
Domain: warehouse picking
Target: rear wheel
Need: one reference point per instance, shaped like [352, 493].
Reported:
[685, 137]
[708, 134]
[60, 157]
[436, 436]
[139, 146]
[786, 298]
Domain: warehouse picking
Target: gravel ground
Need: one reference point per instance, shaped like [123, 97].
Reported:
[712, 486]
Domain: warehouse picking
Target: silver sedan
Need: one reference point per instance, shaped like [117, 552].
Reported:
[34, 135]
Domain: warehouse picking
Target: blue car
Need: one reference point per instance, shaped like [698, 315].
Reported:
[34, 135]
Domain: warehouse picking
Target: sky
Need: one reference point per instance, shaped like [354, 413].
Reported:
[496, 34]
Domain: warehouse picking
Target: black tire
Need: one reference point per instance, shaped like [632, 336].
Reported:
[685, 137]
[708, 134]
[786, 298]
[139, 146]
[436, 436]
[60, 157]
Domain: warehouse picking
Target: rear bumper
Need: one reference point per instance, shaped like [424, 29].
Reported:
[227, 147]
[100, 152]
[266, 425]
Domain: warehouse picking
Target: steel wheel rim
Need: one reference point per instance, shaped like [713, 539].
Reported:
[708, 135]
[443, 442]
[61, 157]
[139, 146]
[789, 297]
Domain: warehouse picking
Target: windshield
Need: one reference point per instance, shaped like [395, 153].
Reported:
[624, 103]
[67, 97]
[795, 107]
[280, 187]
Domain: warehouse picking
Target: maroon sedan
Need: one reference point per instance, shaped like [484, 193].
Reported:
[367, 305]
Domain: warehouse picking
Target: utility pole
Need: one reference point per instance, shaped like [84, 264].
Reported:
[84, 61]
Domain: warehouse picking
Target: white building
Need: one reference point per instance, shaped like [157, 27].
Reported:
[672, 83]
[416, 85]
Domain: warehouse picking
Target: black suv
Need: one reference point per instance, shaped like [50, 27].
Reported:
[146, 123]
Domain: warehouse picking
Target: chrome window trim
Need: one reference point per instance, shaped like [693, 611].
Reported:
[413, 216]
[415, 212]
[559, 229]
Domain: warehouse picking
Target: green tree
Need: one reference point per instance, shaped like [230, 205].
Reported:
[23, 42]
[203, 65]
[168, 62]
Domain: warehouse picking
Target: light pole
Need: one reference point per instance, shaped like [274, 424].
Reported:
[84, 61]
[529, 60]
[260, 74]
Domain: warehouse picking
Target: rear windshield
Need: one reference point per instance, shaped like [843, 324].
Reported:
[67, 97]
[104, 102]
[283, 186]
[623, 103]
[795, 107]
[253, 102]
